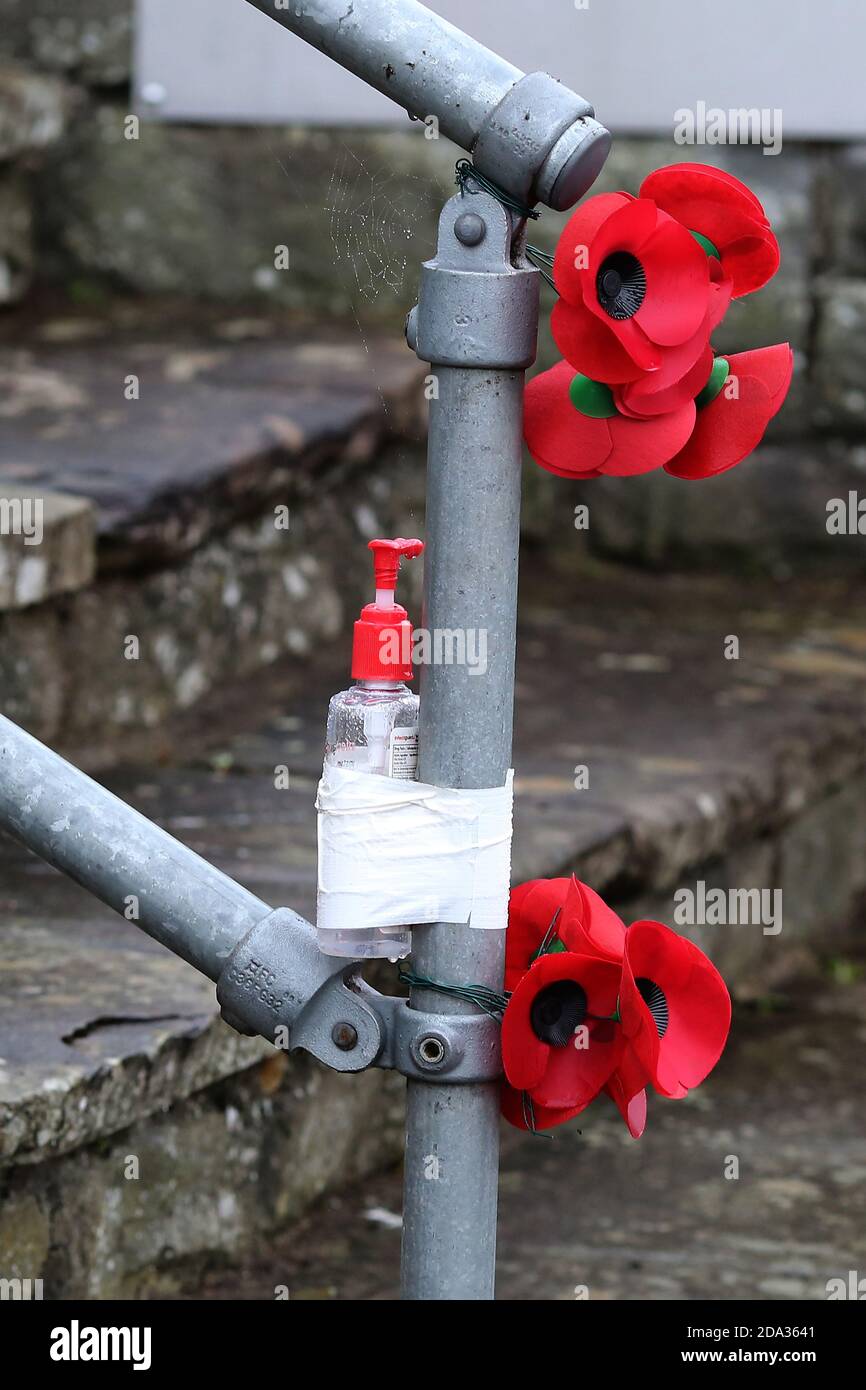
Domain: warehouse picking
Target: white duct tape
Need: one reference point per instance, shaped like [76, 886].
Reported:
[397, 853]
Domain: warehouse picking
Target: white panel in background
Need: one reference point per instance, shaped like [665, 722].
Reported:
[638, 61]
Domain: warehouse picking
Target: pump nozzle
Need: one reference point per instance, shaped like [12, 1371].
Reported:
[383, 634]
[386, 560]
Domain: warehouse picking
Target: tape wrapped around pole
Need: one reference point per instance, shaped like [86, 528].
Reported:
[399, 853]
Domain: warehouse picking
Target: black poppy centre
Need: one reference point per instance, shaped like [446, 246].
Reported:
[621, 285]
[556, 1011]
[656, 1001]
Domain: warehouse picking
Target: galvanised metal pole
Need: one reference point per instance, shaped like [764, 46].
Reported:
[408, 53]
[476, 324]
[119, 855]
[531, 135]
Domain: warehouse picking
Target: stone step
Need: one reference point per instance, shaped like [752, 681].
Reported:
[174, 440]
[740, 774]
[233, 470]
[228, 494]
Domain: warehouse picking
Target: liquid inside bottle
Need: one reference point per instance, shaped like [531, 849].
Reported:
[372, 727]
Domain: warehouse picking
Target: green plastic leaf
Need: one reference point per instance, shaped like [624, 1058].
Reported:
[721, 370]
[592, 398]
[708, 246]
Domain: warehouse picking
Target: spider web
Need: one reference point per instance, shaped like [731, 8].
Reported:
[374, 218]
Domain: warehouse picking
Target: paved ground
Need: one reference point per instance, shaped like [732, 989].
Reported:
[656, 1219]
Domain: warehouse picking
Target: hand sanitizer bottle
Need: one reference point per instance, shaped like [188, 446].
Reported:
[373, 726]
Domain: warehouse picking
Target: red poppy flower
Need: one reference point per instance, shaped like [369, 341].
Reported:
[601, 1008]
[674, 384]
[634, 284]
[674, 1007]
[741, 397]
[725, 212]
[566, 441]
[559, 1043]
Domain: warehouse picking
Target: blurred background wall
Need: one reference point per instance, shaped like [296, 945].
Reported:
[243, 147]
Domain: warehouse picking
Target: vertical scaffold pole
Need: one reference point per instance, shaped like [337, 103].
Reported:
[476, 323]
[534, 140]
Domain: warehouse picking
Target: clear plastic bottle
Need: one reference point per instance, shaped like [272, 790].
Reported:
[373, 726]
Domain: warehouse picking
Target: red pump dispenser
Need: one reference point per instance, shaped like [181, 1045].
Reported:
[383, 630]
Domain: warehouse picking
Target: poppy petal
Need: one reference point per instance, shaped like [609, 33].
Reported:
[674, 1005]
[522, 1112]
[639, 346]
[677, 285]
[731, 426]
[638, 399]
[774, 366]
[524, 1056]
[633, 1109]
[642, 445]
[702, 181]
[590, 345]
[751, 261]
[576, 238]
[628, 228]
[532, 908]
[587, 925]
[565, 1083]
[555, 431]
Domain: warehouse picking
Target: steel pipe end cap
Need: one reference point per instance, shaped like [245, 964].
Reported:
[573, 164]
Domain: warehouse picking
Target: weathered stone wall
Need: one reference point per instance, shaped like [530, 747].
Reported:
[141, 1212]
[200, 211]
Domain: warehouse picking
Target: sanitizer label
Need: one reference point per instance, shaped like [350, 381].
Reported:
[356, 757]
[403, 754]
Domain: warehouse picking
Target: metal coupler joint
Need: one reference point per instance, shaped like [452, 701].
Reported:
[277, 984]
